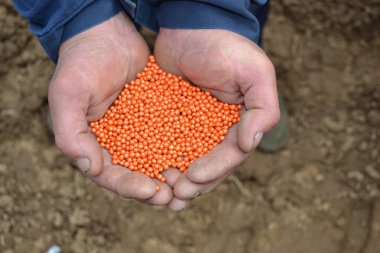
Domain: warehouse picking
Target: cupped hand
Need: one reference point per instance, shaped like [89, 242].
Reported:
[91, 71]
[235, 70]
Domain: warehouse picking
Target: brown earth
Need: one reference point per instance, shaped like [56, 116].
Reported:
[321, 194]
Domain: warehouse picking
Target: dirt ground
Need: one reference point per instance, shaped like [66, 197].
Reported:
[320, 195]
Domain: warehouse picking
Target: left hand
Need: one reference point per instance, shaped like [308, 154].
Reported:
[235, 70]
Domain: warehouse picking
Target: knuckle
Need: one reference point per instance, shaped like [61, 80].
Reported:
[62, 143]
[166, 198]
[59, 87]
[267, 66]
[275, 117]
[64, 86]
[117, 188]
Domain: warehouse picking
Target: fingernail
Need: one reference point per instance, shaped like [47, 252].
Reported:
[257, 139]
[83, 164]
[178, 204]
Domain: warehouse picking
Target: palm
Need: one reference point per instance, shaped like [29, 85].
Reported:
[92, 69]
[102, 69]
[231, 68]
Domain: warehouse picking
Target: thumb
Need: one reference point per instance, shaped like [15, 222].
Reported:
[68, 107]
[261, 102]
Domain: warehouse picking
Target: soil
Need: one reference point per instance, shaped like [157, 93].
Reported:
[320, 194]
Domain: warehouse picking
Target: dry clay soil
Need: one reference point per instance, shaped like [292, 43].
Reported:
[320, 195]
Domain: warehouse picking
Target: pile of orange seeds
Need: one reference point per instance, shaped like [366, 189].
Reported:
[160, 120]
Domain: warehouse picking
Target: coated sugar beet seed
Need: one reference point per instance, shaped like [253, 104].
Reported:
[160, 120]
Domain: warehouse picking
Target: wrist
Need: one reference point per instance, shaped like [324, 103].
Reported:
[115, 33]
[82, 19]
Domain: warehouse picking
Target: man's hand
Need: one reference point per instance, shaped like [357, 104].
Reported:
[235, 70]
[91, 71]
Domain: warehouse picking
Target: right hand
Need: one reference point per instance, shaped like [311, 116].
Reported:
[92, 69]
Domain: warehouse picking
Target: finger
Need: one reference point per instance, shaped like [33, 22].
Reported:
[124, 182]
[221, 160]
[258, 85]
[68, 108]
[187, 190]
[162, 197]
[207, 172]
[178, 204]
[171, 176]
[226, 97]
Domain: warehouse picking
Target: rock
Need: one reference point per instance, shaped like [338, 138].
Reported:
[67, 191]
[334, 57]
[81, 235]
[3, 168]
[271, 193]
[363, 146]
[358, 116]
[79, 217]
[336, 125]
[100, 240]
[374, 154]
[372, 172]
[50, 154]
[355, 175]
[5, 201]
[156, 245]
[279, 203]
[341, 222]
[374, 117]
[45, 179]
[348, 144]
[57, 219]
[319, 178]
